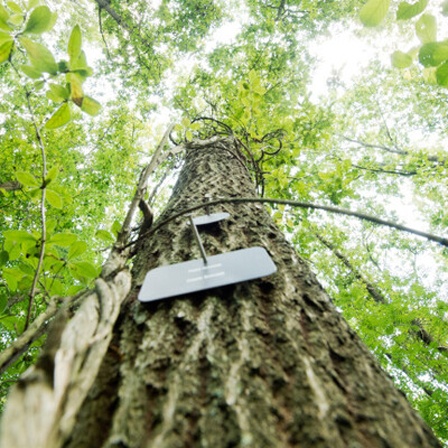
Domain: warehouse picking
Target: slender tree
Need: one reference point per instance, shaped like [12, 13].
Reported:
[269, 362]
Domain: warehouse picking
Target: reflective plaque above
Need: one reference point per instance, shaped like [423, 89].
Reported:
[210, 219]
[195, 275]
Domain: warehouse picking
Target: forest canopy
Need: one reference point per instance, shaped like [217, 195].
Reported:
[89, 88]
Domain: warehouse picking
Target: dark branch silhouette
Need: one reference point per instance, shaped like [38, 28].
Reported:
[438, 239]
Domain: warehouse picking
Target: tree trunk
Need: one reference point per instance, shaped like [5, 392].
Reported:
[265, 363]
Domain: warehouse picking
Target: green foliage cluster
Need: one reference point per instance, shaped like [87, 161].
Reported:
[58, 172]
[66, 176]
[432, 53]
[38, 251]
[19, 30]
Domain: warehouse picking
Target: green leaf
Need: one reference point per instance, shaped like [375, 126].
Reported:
[84, 73]
[54, 199]
[4, 14]
[76, 249]
[400, 59]
[16, 20]
[4, 257]
[40, 57]
[105, 236]
[116, 228]
[3, 302]
[5, 37]
[55, 287]
[41, 20]
[52, 174]
[5, 51]
[11, 323]
[51, 224]
[31, 72]
[90, 106]
[15, 251]
[4, 17]
[407, 11]
[58, 93]
[74, 45]
[63, 239]
[442, 75]
[63, 66]
[61, 117]
[373, 12]
[74, 290]
[32, 4]
[26, 268]
[80, 63]
[12, 277]
[27, 179]
[426, 28]
[83, 270]
[14, 7]
[433, 54]
[19, 236]
[39, 85]
[76, 92]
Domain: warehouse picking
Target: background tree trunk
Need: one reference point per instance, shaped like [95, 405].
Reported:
[266, 363]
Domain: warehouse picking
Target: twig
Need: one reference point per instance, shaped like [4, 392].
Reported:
[42, 205]
[141, 187]
[21, 344]
[132, 29]
[382, 147]
[431, 158]
[100, 22]
[383, 171]
[156, 188]
[389, 135]
[37, 328]
[42, 217]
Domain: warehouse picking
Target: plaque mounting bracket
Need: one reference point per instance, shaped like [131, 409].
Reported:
[198, 239]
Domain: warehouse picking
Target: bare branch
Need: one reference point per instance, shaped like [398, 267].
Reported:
[43, 224]
[11, 185]
[22, 343]
[431, 158]
[382, 147]
[372, 289]
[425, 337]
[438, 239]
[104, 4]
[43, 236]
[156, 160]
[383, 171]
[100, 22]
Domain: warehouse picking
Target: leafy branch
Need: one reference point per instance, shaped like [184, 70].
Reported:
[43, 238]
[20, 31]
[432, 54]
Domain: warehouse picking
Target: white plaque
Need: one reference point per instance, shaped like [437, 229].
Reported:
[195, 275]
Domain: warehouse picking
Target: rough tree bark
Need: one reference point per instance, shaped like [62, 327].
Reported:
[266, 363]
